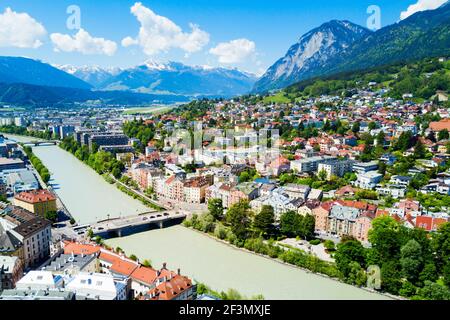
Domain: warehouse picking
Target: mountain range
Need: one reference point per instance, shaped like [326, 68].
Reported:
[32, 82]
[341, 46]
[168, 78]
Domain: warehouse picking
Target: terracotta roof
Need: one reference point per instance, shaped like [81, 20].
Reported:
[36, 196]
[145, 275]
[118, 264]
[78, 248]
[440, 125]
[170, 289]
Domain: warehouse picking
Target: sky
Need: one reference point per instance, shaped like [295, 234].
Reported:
[247, 34]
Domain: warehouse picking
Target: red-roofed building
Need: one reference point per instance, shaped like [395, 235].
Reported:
[176, 288]
[145, 283]
[38, 202]
[429, 223]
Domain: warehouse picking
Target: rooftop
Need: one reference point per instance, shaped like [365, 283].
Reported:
[36, 196]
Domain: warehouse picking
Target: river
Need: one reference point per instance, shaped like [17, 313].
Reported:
[89, 197]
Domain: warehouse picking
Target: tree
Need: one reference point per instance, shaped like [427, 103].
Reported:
[290, 223]
[411, 260]
[264, 220]
[244, 177]
[348, 252]
[238, 218]
[52, 216]
[147, 263]
[390, 277]
[356, 127]
[385, 238]
[434, 291]
[133, 257]
[443, 135]
[322, 175]
[307, 226]
[446, 274]
[419, 150]
[357, 275]
[429, 273]
[441, 245]
[404, 141]
[381, 138]
[215, 208]
[329, 245]
[408, 289]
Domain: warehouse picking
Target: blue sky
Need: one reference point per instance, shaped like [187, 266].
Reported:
[248, 34]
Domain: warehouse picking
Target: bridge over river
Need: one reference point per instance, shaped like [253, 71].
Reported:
[119, 227]
[42, 143]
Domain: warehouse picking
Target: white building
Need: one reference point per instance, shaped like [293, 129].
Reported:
[40, 280]
[368, 180]
[96, 286]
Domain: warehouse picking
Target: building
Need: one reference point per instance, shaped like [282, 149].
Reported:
[394, 190]
[345, 218]
[40, 280]
[29, 232]
[311, 164]
[72, 264]
[429, 223]
[96, 286]
[297, 191]
[38, 295]
[11, 164]
[117, 149]
[19, 180]
[139, 280]
[368, 180]
[438, 126]
[38, 202]
[107, 139]
[195, 189]
[335, 167]
[10, 272]
[176, 287]
[364, 167]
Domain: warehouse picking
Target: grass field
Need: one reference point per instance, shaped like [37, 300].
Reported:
[277, 98]
[149, 110]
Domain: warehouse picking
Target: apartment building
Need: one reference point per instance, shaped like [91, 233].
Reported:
[11, 270]
[309, 165]
[31, 231]
[195, 189]
[335, 167]
[345, 218]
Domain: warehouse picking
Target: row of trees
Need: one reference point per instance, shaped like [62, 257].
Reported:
[257, 232]
[102, 162]
[38, 165]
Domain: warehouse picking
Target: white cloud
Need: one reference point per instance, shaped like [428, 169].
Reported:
[421, 5]
[159, 34]
[234, 51]
[84, 43]
[20, 30]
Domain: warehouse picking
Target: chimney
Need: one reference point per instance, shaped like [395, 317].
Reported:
[179, 271]
[164, 265]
